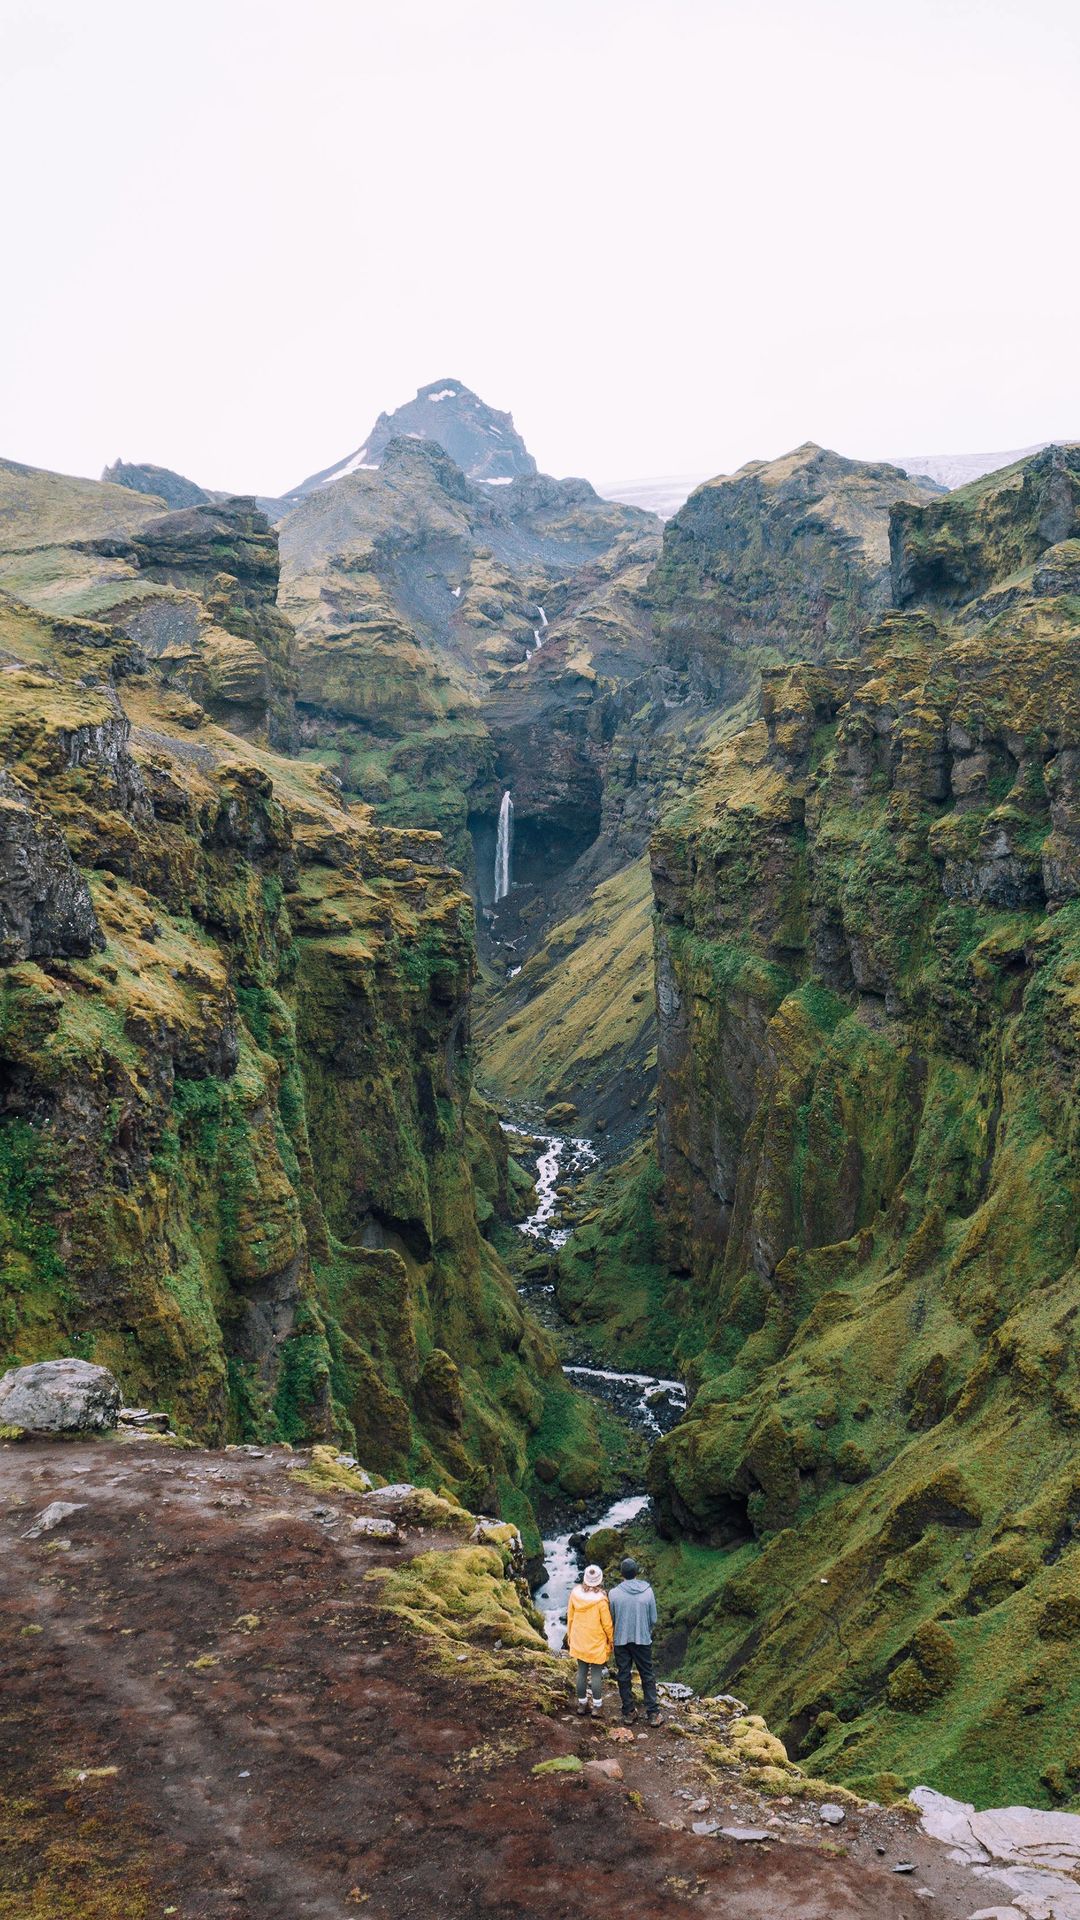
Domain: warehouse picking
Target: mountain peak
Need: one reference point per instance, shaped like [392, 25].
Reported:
[482, 440]
[160, 482]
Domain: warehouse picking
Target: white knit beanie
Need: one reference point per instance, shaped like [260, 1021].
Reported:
[594, 1576]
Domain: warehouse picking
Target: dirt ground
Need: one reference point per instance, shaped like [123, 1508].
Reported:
[205, 1713]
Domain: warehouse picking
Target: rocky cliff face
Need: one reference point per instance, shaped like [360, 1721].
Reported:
[216, 631]
[235, 1116]
[868, 1055]
[949, 552]
[195, 591]
[483, 442]
[786, 558]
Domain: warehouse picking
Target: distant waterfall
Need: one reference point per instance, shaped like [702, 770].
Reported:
[538, 633]
[504, 841]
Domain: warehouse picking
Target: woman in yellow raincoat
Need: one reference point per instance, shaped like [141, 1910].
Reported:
[590, 1637]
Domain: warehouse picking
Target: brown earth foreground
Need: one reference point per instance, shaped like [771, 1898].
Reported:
[205, 1712]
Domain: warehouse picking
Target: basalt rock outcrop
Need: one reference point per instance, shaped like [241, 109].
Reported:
[45, 903]
[949, 552]
[235, 1106]
[59, 1396]
[867, 953]
[785, 559]
[194, 591]
[218, 630]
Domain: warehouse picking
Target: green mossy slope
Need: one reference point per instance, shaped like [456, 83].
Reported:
[579, 1022]
[235, 1069]
[868, 954]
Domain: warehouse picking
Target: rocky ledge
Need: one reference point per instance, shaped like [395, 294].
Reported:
[229, 1693]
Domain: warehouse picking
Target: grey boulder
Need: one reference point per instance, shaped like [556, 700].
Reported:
[374, 1528]
[60, 1396]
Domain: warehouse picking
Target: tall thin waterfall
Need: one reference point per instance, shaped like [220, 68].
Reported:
[504, 841]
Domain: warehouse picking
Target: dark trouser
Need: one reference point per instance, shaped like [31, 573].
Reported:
[590, 1676]
[626, 1659]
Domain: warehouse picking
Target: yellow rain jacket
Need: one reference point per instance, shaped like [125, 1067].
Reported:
[589, 1633]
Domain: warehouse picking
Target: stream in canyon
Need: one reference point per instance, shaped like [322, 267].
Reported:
[648, 1403]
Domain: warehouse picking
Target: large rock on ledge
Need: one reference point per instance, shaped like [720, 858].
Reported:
[59, 1396]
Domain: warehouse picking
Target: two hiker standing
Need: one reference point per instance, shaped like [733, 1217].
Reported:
[597, 1626]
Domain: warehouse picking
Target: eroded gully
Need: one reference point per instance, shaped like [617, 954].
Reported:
[648, 1403]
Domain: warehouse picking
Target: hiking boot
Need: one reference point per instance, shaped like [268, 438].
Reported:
[629, 1718]
[655, 1719]
[583, 1708]
[597, 1707]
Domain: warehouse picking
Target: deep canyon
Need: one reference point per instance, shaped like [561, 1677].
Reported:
[741, 851]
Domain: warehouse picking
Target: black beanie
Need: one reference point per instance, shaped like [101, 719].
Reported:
[628, 1568]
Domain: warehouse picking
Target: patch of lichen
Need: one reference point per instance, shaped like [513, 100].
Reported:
[463, 1595]
[867, 961]
[324, 1470]
[66, 1856]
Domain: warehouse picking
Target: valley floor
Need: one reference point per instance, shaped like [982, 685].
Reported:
[207, 1713]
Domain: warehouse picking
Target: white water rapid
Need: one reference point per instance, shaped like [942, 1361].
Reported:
[563, 1565]
[562, 1158]
[504, 840]
[634, 1395]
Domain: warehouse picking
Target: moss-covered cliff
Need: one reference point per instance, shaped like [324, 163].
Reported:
[946, 552]
[867, 955]
[235, 1063]
[785, 559]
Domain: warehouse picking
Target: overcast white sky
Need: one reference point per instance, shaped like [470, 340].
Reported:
[669, 235]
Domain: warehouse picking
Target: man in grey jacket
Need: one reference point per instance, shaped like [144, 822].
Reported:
[633, 1610]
